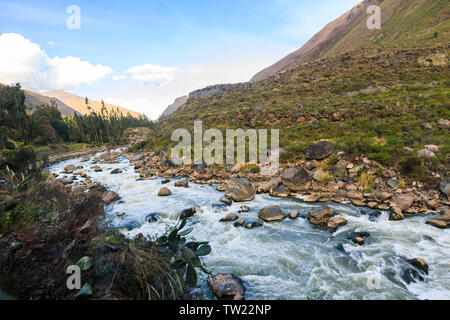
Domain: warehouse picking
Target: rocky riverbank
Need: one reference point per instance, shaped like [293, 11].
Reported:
[324, 175]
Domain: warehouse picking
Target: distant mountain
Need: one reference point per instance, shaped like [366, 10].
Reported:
[78, 103]
[405, 24]
[175, 106]
[34, 99]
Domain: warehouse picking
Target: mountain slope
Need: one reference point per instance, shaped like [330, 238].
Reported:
[405, 23]
[34, 99]
[78, 103]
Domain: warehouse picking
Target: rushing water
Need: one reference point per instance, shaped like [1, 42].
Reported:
[289, 259]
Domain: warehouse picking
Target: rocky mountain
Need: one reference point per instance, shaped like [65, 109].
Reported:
[78, 103]
[405, 23]
[175, 106]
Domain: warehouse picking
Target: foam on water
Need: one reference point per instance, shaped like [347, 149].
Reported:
[289, 259]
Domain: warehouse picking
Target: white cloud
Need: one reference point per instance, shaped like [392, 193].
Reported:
[24, 61]
[152, 74]
[118, 78]
[51, 44]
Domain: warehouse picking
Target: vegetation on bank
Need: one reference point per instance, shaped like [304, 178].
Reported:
[383, 104]
[22, 129]
[46, 227]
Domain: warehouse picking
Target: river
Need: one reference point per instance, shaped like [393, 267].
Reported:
[289, 259]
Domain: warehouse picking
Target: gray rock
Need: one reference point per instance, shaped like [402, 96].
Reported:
[240, 190]
[445, 186]
[319, 151]
[271, 213]
[295, 178]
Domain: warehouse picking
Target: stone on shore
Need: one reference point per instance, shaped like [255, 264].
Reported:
[396, 214]
[240, 190]
[280, 191]
[266, 186]
[296, 179]
[403, 201]
[319, 151]
[271, 213]
[109, 196]
[227, 286]
[445, 186]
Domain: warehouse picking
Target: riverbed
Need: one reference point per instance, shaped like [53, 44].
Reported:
[290, 259]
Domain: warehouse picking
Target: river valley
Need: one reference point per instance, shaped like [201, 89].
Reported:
[290, 259]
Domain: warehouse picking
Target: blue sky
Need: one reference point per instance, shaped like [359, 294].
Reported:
[169, 48]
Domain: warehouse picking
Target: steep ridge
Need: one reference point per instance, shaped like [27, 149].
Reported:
[405, 23]
[175, 106]
[78, 103]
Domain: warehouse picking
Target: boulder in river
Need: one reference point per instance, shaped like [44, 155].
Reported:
[296, 179]
[226, 200]
[319, 151]
[70, 168]
[271, 213]
[164, 192]
[116, 171]
[294, 215]
[335, 222]
[253, 224]
[320, 216]
[182, 183]
[96, 169]
[245, 208]
[396, 214]
[229, 218]
[227, 287]
[420, 264]
[437, 224]
[187, 213]
[239, 223]
[240, 190]
[445, 186]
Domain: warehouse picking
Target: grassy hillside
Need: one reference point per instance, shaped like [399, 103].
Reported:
[371, 102]
[405, 24]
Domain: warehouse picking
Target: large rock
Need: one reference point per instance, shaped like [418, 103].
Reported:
[266, 186]
[70, 168]
[420, 264]
[271, 213]
[229, 218]
[182, 183]
[320, 216]
[240, 190]
[319, 151]
[116, 171]
[403, 201]
[437, 224]
[445, 186]
[110, 196]
[280, 191]
[335, 222]
[227, 286]
[164, 192]
[296, 179]
[425, 153]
